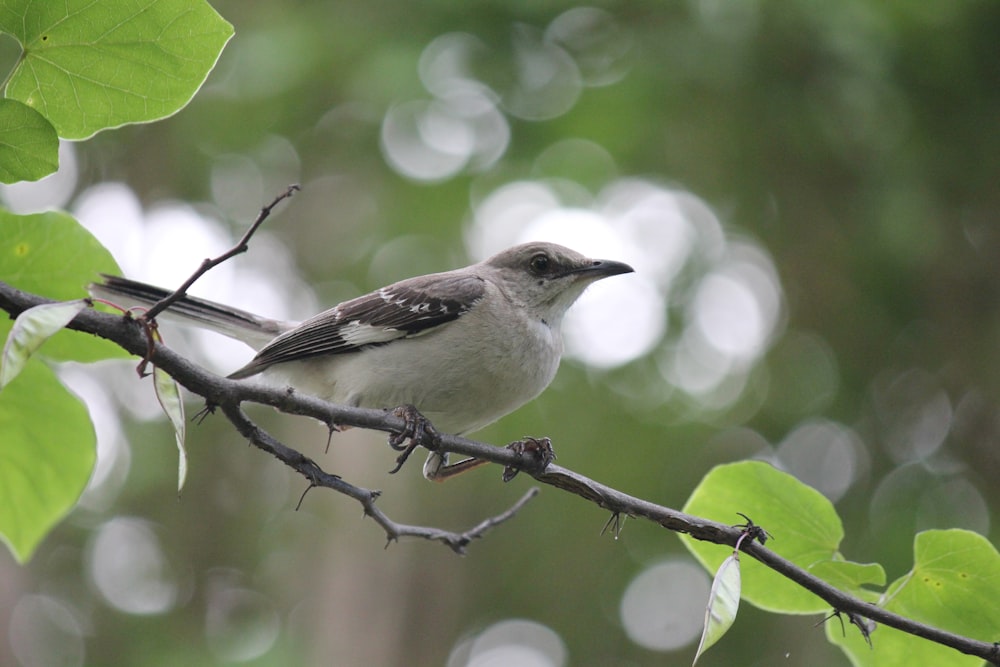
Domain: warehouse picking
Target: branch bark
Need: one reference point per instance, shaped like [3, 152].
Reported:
[228, 395]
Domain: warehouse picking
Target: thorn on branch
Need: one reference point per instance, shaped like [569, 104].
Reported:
[310, 469]
[865, 626]
[309, 488]
[331, 428]
[616, 522]
[203, 414]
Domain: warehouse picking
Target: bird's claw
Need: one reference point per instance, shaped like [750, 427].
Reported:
[417, 430]
[539, 449]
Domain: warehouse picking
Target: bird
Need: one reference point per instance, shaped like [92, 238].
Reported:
[463, 347]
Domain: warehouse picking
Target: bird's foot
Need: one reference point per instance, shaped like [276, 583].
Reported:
[538, 449]
[417, 430]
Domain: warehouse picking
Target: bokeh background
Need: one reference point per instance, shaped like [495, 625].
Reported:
[808, 191]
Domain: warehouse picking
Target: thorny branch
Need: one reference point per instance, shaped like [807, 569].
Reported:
[318, 477]
[230, 394]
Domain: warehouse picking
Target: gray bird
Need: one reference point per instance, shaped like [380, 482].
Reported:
[464, 347]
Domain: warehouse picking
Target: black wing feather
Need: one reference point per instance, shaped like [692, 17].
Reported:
[404, 309]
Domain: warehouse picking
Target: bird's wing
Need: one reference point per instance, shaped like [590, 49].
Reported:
[402, 310]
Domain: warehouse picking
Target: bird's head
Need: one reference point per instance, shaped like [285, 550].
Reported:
[547, 278]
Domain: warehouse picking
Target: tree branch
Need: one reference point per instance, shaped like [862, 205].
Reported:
[230, 394]
[318, 477]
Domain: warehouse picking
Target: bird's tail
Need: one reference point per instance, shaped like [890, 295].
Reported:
[252, 329]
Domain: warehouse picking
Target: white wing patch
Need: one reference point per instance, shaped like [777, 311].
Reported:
[359, 334]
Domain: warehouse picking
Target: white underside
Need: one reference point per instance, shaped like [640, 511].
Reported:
[471, 378]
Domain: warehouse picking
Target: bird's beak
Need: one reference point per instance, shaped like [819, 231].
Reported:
[603, 268]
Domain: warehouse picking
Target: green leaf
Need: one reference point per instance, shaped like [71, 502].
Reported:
[53, 255]
[47, 452]
[723, 604]
[89, 66]
[851, 577]
[954, 585]
[805, 527]
[169, 396]
[892, 648]
[29, 145]
[32, 328]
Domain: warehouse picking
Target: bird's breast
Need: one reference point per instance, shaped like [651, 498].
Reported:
[462, 376]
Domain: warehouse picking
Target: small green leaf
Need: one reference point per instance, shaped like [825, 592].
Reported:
[954, 585]
[47, 452]
[53, 255]
[723, 603]
[32, 328]
[805, 528]
[29, 145]
[89, 66]
[169, 396]
[851, 577]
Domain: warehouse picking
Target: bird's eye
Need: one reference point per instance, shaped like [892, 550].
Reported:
[540, 263]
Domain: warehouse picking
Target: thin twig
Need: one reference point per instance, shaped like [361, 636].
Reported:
[316, 476]
[208, 264]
